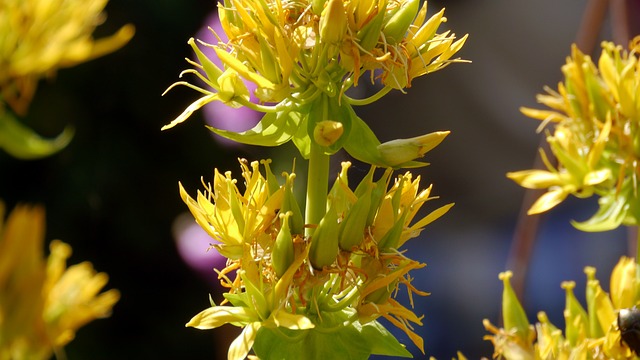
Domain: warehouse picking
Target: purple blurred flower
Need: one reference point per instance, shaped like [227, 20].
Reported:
[217, 114]
[194, 247]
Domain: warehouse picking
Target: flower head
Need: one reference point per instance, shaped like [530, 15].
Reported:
[591, 333]
[42, 302]
[596, 137]
[42, 36]
[291, 286]
[303, 56]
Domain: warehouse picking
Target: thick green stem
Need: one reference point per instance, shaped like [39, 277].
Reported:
[317, 179]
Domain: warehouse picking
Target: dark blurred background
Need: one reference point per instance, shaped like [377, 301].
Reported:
[113, 195]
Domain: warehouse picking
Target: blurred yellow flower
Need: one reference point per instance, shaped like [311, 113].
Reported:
[42, 302]
[38, 37]
[591, 333]
[596, 137]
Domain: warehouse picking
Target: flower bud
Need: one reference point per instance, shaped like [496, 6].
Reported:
[400, 151]
[333, 22]
[370, 33]
[324, 241]
[289, 203]
[595, 330]
[391, 238]
[231, 86]
[327, 132]
[210, 68]
[576, 319]
[353, 226]
[396, 28]
[513, 315]
[282, 255]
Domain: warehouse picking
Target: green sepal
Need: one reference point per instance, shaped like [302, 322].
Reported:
[612, 212]
[273, 129]
[354, 341]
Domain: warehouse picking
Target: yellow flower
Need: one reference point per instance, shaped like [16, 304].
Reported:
[591, 333]
[42, 302]
[290, 286]
[39, 37]
[596, 137]
[304, 55]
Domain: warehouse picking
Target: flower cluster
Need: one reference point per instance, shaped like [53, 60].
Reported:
[38, 37]
[596, 137]
[315, 295]
[42, 302]
[597, 332]
[303, 55]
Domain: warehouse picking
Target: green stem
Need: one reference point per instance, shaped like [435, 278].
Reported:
[373, 98]
[317, 179]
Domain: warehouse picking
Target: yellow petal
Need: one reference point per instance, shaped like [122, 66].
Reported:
[216, 316]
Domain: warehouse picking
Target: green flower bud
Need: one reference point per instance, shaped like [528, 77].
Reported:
[396, 28]
[513, 315]
[210, 68]
[370, 33]
[400, 151]
[391, 239]
[282, 255]
[377, 195]
[289, 203]
[333, 22]
[327, 132]
[353, 226]
[324, 241]
[575, 316]
[595, 330]
[317, 6]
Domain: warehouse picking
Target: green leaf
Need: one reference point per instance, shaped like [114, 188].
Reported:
[274, 129]
[23, 143]
[301, 138]
[354, 341]
[362, 143]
